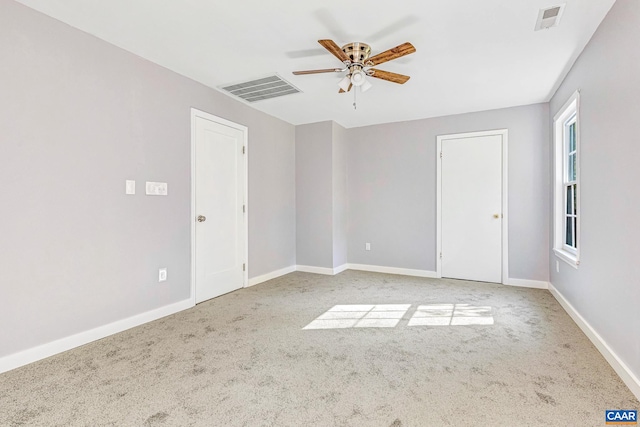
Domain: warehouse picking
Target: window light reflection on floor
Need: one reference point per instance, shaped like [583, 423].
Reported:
[389, 315]
[451, 315]
[360, 316]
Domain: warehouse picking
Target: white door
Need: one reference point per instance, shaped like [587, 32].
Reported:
[220, 233]
[471, 207]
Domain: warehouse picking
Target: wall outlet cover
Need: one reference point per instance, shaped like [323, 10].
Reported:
[156, 188]
[162, 275]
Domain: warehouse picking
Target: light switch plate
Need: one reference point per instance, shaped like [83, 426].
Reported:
[162, 275]
[367, 246]
[130, 187]
[156, 188]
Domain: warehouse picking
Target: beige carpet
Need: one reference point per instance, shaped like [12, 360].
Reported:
[394, 351]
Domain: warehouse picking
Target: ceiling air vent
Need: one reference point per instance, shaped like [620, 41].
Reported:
[549, 17]
[261, 89]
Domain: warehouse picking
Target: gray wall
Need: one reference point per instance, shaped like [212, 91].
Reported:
[321, 195]
[340, 200]
[78, 117]
[605, 288]
[314, 195]
[392, 189]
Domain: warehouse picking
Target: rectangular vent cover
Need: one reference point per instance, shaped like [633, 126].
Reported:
[549, 17]
[261, 89]
[551, 13]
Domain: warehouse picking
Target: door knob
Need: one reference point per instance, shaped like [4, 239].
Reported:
[201, 218]
[496, 216]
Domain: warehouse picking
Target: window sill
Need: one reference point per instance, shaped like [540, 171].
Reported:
[567, 257]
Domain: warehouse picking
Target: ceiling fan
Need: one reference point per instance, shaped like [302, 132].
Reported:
[358, 64]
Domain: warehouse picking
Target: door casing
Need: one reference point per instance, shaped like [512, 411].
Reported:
[505, 174]
[201, 114]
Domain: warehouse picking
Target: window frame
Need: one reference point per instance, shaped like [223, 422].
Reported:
[563, 211]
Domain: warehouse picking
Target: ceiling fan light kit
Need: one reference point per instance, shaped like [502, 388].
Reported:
[357, 78]
[358, 62]
[366, 86]
[345, 83]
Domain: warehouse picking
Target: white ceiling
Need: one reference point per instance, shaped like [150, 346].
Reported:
[471, 55]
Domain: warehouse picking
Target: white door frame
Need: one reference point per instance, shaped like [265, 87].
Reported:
[505, 205]
[201, 114]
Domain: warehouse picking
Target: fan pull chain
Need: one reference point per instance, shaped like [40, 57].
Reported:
[355, 90]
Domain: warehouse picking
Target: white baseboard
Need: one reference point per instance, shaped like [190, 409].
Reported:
[43, 351]
[627, 376]
[317, 270]
[362, 267]
[526, 283]
[340, 269]
[269, 276]
[393, 270]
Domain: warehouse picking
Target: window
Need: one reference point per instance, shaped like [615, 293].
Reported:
[567, 182]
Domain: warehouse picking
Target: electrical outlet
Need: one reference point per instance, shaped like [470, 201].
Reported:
[162, 275]
[156, 188]
[367, 246]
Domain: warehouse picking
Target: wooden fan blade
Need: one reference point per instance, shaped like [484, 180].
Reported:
[332, 47]
[325, 70]
[396, 52]
[348, 89]
[389, 76]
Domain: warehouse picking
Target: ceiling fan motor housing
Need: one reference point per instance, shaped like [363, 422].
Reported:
[357, 52]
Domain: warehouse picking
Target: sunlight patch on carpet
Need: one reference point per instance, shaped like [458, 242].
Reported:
[451, 315]
[360, 316]
[389, 316]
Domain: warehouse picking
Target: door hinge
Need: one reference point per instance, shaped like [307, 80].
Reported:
[440, 255]
[441, 154]
[244, 267]
[244, 208]
[243, 149]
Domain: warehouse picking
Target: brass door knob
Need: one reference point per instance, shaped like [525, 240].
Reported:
[201, 218]
[496, 216]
